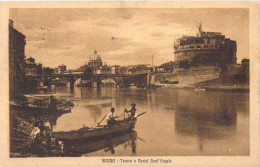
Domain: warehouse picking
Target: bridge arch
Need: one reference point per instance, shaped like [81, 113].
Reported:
[109, 81]
[121, 80]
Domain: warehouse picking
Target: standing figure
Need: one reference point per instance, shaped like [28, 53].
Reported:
[110, 117]
[132, 111]
[52, 104]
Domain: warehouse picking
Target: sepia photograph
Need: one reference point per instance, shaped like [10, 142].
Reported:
[129, 82]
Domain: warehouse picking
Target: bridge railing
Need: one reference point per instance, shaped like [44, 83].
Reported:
[90, 75]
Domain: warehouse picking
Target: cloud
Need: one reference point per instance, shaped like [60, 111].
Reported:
[69, 36]
[157, 34]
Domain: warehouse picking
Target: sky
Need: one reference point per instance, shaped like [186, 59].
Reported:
[121, 36]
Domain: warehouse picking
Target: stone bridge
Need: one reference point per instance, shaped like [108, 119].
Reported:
[121, 80]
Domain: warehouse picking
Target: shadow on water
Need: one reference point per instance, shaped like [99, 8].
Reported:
[202, 113]
[83, 147]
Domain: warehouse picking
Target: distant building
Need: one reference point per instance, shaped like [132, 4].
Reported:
[30, 67]
[115, 69]
[245, 67]
[61, 68]
[98, 71]
[207, 48]
[48, 70]
[138, 69]
[106, 69]
[56, 71]
[85, 69]
[39, 69]
[123, 70]
[31, 59]
[95, 60]
[245, 62]
[166, 67]
[17, 42]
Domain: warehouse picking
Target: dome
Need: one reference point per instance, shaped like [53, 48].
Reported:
[95, 57]
[95, 60]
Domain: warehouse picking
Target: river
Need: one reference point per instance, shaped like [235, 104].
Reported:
[178, 122]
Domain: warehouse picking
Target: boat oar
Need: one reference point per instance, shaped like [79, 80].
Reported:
[140, 139]
[102, 120]
[141, 114]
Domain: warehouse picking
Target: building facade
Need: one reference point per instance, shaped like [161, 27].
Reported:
[39, 70]
[207, 48]
[17, 42]
[115, 69]
[31, 67]
[61, 69]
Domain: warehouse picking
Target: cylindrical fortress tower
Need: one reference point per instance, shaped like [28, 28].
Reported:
[207, 48]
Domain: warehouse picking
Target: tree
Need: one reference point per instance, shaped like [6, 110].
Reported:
[48, 70]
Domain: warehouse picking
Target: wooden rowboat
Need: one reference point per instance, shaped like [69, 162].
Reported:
[106, 143]
[95, 132]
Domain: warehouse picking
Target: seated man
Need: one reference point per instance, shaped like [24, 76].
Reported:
[110, 118]
[132, 111]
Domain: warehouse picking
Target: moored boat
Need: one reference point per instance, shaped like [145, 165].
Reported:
[42, 88]
[31, 107]
[95, 132]
[200, 89]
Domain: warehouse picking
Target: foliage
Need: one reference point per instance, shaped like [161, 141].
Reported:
[21, 100]
[184, 64]
[48, 70]
[40, 102]
[65, 104]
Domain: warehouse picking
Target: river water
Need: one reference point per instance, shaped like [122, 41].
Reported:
[177, 123]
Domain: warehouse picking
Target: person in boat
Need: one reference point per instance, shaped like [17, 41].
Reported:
[110, 117]
[132, 111]
[52, 104]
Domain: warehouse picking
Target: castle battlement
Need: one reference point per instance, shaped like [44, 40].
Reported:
[206, 47]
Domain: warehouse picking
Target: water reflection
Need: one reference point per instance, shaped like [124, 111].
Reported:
[107, 144]
[52, 118]
[209, 123]
[206, 115]
[194, 118]
[95, 113]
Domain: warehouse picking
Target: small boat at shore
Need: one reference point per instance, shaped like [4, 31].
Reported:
[35, 108]
[95, 132]
[200, 89]
[42, 88]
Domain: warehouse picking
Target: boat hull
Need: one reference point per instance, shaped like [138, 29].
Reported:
[34, 108]
[107, 143]
[100, 131]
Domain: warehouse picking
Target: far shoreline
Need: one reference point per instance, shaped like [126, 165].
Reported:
[233, 88]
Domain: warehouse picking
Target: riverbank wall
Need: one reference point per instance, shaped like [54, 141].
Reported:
[188, 76]
[204, 77]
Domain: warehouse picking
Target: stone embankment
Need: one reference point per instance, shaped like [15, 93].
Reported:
[204, 77]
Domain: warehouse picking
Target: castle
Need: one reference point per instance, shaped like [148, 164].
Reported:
[207, 48]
